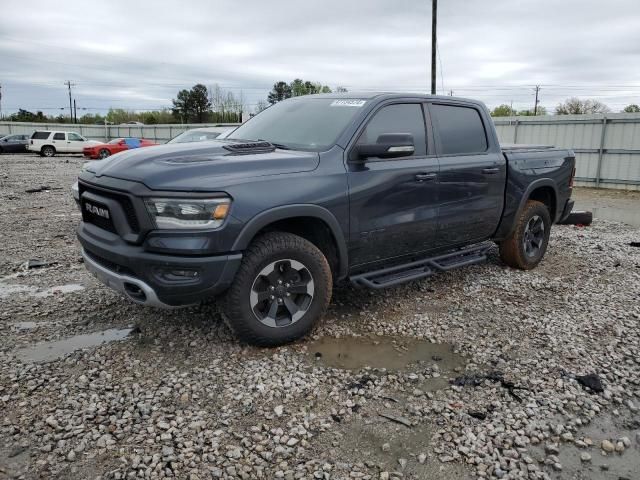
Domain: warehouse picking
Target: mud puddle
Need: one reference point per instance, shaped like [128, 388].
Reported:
[354, 353]
[7, 289]
[612, 466]
[50, 351]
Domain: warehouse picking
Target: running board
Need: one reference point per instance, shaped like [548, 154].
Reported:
[388, 277]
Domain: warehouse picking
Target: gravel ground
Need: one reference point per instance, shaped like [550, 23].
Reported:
[176, 396]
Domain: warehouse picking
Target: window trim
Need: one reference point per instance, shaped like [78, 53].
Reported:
[425, 121]
[436, 133]
[80, 137]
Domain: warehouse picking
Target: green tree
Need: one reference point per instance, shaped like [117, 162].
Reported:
[281, 91]
[575, 106]
[192, 105]
[633, 108]
[503, 110]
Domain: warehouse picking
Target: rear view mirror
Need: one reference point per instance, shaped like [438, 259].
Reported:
[388, 145]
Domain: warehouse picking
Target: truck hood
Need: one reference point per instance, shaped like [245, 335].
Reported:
[200, 166]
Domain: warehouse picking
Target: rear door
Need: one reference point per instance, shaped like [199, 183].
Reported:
[393, 202]
[472, 174]
[59, 141]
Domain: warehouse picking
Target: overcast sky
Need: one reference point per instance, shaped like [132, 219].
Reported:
[138, 54]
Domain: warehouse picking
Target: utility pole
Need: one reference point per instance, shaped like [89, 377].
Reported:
[0, 101]
[451, 93]
[434, 21]
[535, 105]
[69, 84]
[75, 112]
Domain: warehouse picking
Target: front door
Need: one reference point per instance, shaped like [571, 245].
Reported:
[393, 202]
[472, 175]
[75, 142]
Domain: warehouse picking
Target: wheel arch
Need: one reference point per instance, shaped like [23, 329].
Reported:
[312, 222]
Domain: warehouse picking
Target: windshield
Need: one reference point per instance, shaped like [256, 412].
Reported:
[191, 136]
[312, 124]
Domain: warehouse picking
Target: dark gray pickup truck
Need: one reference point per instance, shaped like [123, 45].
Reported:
[376, 189]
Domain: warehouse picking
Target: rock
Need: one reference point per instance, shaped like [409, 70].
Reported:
[384, 475]
[279, 410]
[52, 422]
[163, 425]
[552, 448]
[402, 462]
[422, 458]
[557, 466]
[386, 447]
[619, 447]
[607, 446]
[585, 457]
[71, 456]
[626, 442]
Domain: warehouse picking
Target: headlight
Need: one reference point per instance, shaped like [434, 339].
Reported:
[176, 213]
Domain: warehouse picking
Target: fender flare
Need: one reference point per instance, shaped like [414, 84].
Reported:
[264, 218]
[541, 182]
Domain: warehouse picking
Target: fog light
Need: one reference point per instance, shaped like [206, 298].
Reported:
[184, 273]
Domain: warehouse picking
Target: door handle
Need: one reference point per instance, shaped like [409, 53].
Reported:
[425, 177]
[490, 171]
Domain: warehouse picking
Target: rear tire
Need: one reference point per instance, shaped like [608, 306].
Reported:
[47, 151]
[527, 244]
[104, 153]
[283, 286]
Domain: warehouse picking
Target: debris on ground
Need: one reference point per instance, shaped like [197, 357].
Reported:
[591, 381]
[397, 419]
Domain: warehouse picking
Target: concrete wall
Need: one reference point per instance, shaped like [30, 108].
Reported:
[157, 133]
[607, 146]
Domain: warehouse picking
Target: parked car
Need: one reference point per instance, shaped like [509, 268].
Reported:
[48, 143]
[14, 143]
[201, 134]
[104, 150]
[376, 189]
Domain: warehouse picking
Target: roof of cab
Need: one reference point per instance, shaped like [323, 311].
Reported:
[388, 96]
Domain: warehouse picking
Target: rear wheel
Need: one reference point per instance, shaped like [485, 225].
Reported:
[48, 151]
[527, 244]
[104, 153]
[281, 289]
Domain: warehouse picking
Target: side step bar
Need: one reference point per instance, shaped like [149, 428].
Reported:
[390, 276]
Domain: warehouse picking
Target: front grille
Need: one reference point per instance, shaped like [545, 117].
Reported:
[123, 200]
[101, 222]
[114, 267]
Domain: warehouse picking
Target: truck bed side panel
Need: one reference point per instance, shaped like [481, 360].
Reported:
[531, 169]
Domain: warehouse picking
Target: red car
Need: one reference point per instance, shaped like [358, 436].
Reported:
[105, 150]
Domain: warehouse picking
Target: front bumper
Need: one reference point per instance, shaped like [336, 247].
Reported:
[148, 278]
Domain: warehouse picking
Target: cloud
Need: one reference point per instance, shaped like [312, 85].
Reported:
[139, 54]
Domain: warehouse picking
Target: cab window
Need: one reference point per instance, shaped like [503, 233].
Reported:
[400, 118]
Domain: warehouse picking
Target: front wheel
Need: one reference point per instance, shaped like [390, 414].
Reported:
[527, 244]
[283, 286]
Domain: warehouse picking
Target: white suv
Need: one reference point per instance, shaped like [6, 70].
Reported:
[48, 143]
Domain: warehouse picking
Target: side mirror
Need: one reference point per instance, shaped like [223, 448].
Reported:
[388, 145]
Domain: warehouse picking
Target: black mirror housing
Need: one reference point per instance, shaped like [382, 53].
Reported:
[388, 145]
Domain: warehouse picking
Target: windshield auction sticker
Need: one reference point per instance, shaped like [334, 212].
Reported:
[348, 103]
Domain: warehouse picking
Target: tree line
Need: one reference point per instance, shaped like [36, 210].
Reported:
[571, 106]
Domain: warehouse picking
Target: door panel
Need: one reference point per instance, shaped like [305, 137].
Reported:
[472, 175]
[393, 202]
[392, 212]
[59, 141]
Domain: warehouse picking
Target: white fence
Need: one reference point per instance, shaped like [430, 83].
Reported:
[157, 133]
[607, 146]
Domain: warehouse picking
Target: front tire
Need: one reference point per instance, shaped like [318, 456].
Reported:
[283, 286]
[48, 151]
[527, 244]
